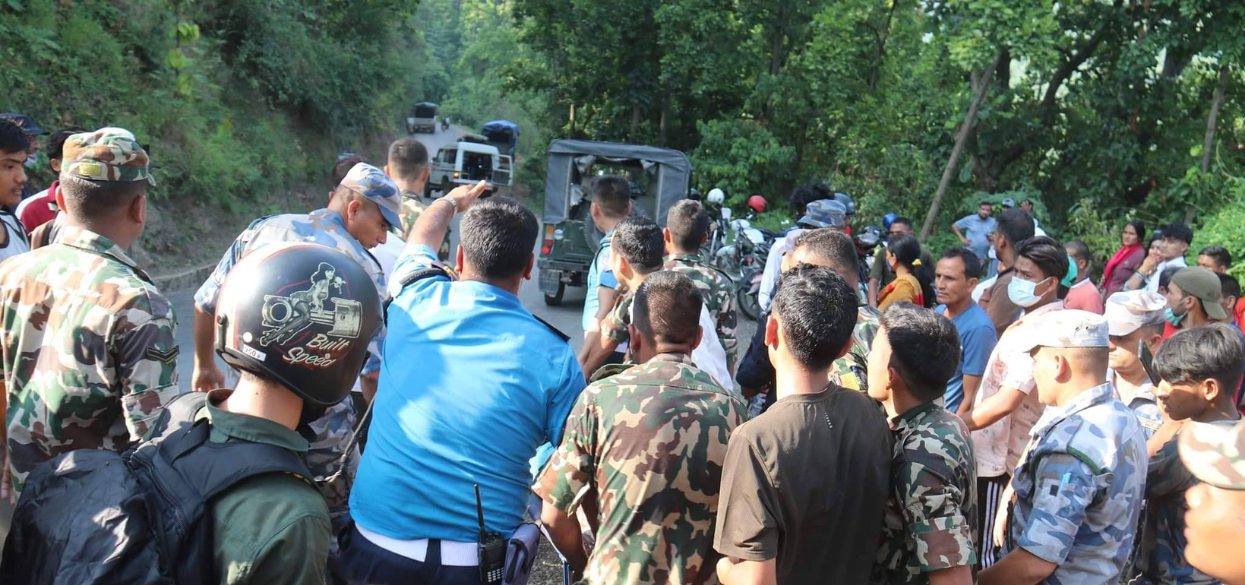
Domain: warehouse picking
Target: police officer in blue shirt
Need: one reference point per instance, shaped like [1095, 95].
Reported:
[1081, 480]
[471, 384]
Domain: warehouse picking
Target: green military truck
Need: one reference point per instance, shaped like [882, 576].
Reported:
[659, 178]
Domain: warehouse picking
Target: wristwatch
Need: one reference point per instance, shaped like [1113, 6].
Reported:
[452, 201]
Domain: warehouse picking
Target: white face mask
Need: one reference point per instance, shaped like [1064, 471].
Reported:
[1020, 292]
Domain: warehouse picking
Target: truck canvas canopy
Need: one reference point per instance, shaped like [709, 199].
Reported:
[501, 132]
[568, 158]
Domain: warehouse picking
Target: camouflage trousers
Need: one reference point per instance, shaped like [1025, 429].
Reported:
[324, 459]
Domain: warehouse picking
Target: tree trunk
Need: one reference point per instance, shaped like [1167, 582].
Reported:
[572, 131]
[665, 119]
[882, 38]
[1208, 143]
[635, 122]
[960, 138]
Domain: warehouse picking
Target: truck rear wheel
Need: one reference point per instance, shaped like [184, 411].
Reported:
[555, 300]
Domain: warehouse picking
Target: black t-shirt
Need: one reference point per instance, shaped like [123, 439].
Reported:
[805, 483]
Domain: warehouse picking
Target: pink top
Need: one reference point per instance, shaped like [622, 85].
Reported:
[1085, 297]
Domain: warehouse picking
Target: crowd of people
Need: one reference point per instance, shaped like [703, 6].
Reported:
[392, 413]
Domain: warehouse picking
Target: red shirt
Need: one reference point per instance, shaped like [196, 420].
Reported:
[39, 209]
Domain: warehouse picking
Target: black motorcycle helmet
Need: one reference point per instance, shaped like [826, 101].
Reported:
[300, 314]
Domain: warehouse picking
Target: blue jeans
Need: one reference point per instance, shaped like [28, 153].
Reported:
[360, 562]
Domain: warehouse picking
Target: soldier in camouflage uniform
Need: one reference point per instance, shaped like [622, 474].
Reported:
[1215, 524]
[1198, 369]
[1080, 482]
[931, 515]
[88, 346]
[833, 250]
[687, 228]
[650, 442]
[408, 167]
[360, 214]
[638, 251]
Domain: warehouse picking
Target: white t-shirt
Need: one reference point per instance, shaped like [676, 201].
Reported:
[709, 356]
[1152, 285]
[17, 241]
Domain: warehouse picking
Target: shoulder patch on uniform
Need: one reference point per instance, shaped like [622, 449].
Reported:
[165, 356]
[555, 330]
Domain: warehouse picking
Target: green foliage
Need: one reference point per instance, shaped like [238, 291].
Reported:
[740, 157]
[1224, 228]
[235, 99]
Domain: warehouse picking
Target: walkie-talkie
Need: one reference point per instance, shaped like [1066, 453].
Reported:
[492, 549]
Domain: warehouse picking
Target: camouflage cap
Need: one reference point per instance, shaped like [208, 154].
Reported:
[372, 183]
[107, 154]
[1067, 328]
[1215, 454]
[824, 213]
[1129, 311]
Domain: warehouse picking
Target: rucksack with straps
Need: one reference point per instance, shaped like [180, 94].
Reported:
[94, 517]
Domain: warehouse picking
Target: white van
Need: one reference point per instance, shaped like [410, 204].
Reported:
[466, 163]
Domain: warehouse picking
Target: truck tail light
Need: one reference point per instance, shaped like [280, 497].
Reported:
[547, 246]
[457, 175]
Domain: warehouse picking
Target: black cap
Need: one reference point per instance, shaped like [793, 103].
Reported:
[26, 123]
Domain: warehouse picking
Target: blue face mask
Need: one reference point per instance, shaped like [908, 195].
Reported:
[1173, 318]
[1020, 292]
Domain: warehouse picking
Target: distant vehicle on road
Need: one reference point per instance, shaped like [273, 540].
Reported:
[422, 118]
[659, 178]
[503, 134]
[466, 163]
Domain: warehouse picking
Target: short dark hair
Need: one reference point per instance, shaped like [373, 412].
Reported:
[830, 247]
[1228, 286]
[688, 223]
[88, 199]
[497, 236]
[925, 348]
[1050, 257]
[666, 308]
[639, 241]
[901, 220]
[818, 313]
[1014, 224]
[1165, 277]
[1202, 353]
[972, 264]
[801, 196]
[1079, 250]
[612, 194]
[1178, 231]
[56, 142]
[407, 158]
[12, 137]
[341, 168]
[985, 203]
[1219, 254]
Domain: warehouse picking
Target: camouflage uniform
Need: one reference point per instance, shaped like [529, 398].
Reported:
[1215, 455]
[719, 295]
[1079, 488]
[1146, 407]
[88, 346]
[412, 206]
[850, 371]
[931, 514]
[325, 227]
[1161, 542]
[651, 441]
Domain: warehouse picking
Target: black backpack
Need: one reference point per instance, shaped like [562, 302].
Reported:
[96, 517]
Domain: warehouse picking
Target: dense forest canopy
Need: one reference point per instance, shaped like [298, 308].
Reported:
[1098, 110]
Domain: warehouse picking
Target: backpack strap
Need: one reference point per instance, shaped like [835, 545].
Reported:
[181, 472]
[437, 269]
[179, 412]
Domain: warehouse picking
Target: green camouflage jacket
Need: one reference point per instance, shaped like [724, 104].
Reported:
[931, 514]
[850, 371]
[412, 206]
[88, 350]
[718, 293]
[651, 441]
